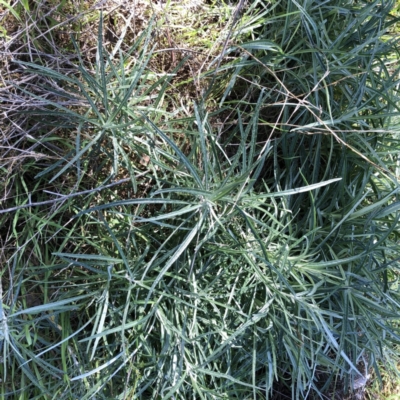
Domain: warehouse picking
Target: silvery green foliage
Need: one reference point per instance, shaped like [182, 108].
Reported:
[257, 258]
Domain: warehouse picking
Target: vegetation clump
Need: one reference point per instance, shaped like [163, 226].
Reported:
[199, 210]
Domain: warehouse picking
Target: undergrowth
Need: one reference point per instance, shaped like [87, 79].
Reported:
[200, 228]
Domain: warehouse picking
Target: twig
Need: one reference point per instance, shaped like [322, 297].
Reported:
[235, 19]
